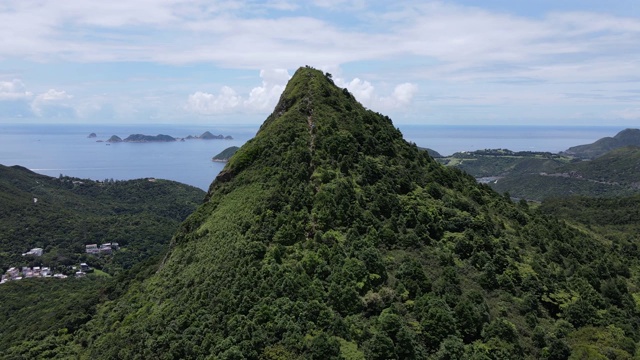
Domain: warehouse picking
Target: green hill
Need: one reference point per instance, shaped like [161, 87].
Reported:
[62, 215]
[617, 173]
[627, 137]
[537, 176]
[327, 236]
[226, 154]
[617, 167]
[503, 162]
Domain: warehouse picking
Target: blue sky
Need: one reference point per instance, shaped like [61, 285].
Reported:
[543, 62]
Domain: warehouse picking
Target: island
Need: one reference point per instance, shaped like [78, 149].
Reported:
[140, 138]
[225, 155]
[92, 135]
[209, 136]
[114, 139]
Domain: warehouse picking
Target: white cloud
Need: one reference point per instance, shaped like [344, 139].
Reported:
[464, 52]
[207, 104]
[241, 34]
[403, 93]
[362, 90]
[365, 93]
[265, 97]
[13, 90]
[53, 103]
[260, 99]
[53, 95]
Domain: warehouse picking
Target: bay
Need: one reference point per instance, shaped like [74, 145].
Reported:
[65, 149]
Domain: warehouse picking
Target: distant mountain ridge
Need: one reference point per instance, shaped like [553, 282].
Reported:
[627, 137]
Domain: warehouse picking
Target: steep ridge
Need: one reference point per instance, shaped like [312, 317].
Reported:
[328, 236]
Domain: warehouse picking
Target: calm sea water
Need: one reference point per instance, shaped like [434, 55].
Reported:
[65, 149]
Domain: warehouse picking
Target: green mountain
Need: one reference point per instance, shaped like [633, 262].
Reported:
[226, 154]
[327, 236]
[627, 137]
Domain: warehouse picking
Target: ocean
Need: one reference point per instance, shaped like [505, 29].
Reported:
[66, 149]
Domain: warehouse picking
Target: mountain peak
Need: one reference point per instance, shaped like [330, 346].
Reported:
[310, 88]
[319, 122]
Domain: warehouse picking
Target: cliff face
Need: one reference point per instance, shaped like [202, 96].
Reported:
[329, 236]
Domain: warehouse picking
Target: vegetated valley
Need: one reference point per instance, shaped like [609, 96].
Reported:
[328, 236]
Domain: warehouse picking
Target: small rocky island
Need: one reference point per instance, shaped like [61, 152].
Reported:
[92, 136]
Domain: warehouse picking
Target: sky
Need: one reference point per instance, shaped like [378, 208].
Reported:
[491, 62]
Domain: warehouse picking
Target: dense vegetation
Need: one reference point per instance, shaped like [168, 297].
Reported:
[62, 215]
[39, 316]
[226, 154]
[537, 176]
[503, 162]
[327, 236]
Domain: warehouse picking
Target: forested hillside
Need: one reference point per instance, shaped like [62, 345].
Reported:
[328, 236]
[62, 215]
[537, 176]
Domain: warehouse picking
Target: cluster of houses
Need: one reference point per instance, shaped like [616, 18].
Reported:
[25, 272]
[14, 274]
[106, 248]
[44, 272]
